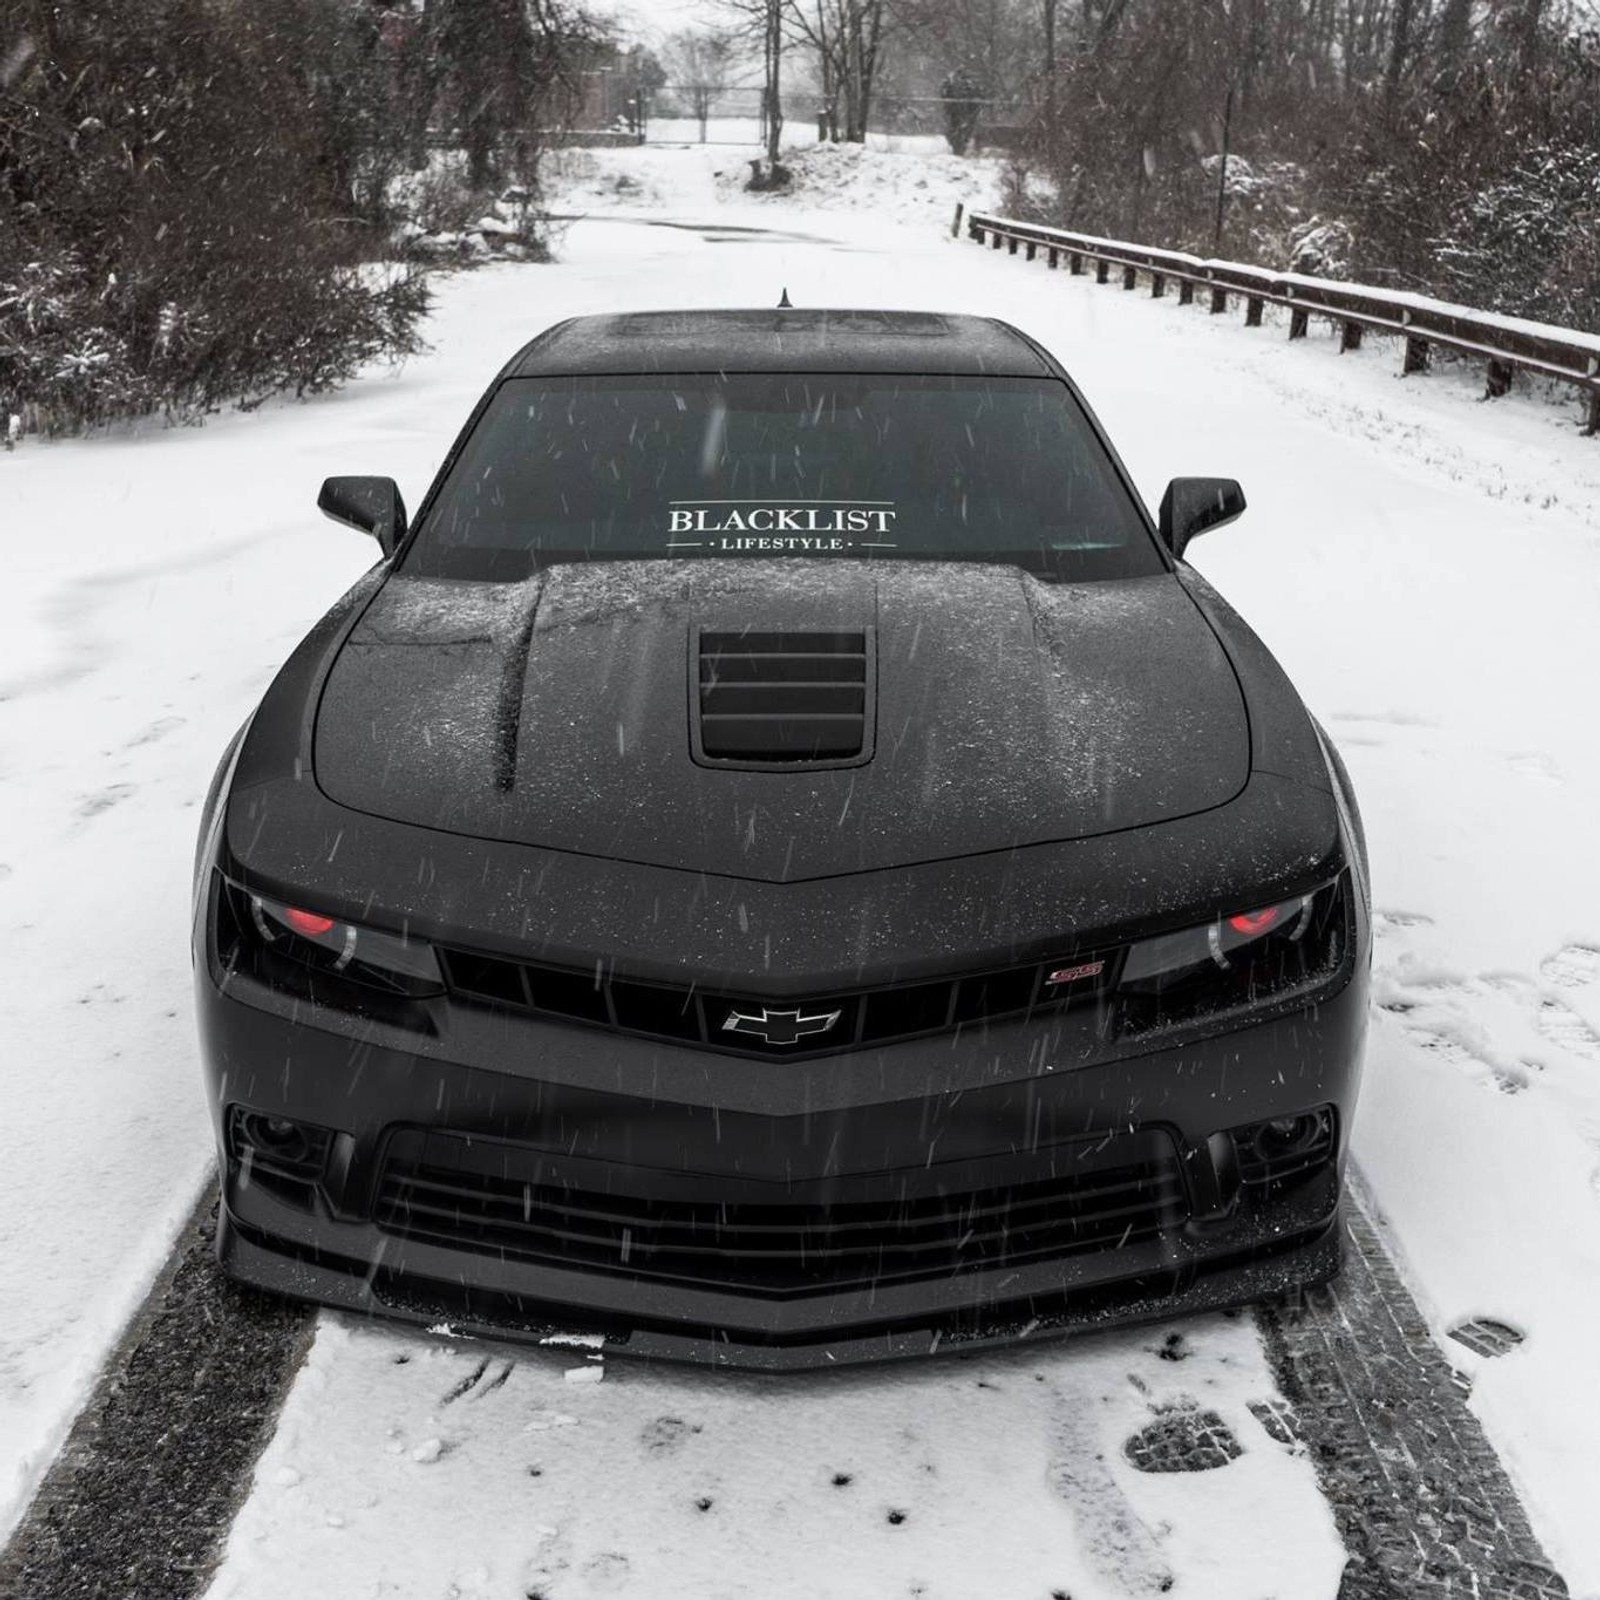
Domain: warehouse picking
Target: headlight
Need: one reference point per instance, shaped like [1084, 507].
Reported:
[1237, 958]
[1216, 942]
[275, 941]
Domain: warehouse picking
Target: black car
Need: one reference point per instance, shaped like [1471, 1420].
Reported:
[781, 863]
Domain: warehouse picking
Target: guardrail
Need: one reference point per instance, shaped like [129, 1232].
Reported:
[1506, 344]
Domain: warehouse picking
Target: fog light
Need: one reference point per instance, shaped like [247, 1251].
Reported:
[1288, 1136]
[1286, 1148]
[292, 1148]
[277, 1136]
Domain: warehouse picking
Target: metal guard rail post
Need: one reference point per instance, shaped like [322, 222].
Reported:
[1504, 343]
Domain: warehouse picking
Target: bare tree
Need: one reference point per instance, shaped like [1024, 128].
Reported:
[766, 25]
[699, 65]
[848, 37]
[496, 68]
[984, 48]
[1048, 19]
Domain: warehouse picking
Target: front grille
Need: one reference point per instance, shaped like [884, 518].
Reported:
[772, 1247]
[1286, 970]
[767, 1027]
[782, 699]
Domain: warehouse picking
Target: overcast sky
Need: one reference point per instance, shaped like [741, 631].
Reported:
[652, 20]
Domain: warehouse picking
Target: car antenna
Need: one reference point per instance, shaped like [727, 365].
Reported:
[785, 303]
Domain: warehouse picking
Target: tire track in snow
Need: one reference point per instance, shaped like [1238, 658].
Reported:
[1424, 1507]
[144, 1494]
[72, 615]
[139, 1500]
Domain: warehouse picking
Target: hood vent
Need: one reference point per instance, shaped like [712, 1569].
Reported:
[783, 700]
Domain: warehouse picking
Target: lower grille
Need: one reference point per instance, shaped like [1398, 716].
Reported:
[778, 1248]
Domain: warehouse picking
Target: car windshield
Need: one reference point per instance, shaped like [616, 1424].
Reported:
[807, 465]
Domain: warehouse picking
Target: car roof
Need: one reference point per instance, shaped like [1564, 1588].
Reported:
[784, 340]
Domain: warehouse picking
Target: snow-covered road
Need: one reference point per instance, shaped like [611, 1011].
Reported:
[1428, 570]
[484, 1473]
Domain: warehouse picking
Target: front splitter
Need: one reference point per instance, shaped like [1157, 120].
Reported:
[1302, 1262]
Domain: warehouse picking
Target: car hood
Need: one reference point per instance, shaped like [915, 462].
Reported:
[557, 712]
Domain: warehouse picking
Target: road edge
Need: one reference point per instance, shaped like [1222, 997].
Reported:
[142, 1494]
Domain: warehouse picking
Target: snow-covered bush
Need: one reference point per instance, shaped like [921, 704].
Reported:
[179, 224]
[1529, 241]
[1452, 151]
[60, 364]
[1320, 247]
[444, 219]
[1026, 193]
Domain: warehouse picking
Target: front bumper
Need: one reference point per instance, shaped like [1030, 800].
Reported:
[404, 1294]
[650, 1124]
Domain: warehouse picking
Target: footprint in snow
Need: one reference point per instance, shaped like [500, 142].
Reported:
[1554, 1018]
[1442, 1042]
[158, 729]
[1111, 1534]
[1430, 1009]
[1573, 966]
[1562, 1026]
[1183, 1438]
[608, 1572]
[1446, 1040]
[1387, 921]
[1487, 1336]
[544, 1569]
[1513, 1079]
[1391, 719]
[114, 795]
[1280, 1422]
[666, 1435]
[1534, 764]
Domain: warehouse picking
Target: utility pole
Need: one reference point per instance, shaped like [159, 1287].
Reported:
[1050, 68]
[1222, 171]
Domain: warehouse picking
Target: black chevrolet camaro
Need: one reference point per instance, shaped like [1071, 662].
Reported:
[781, 863]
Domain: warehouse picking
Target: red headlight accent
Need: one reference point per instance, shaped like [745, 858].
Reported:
[1253, 922]
[310, 923]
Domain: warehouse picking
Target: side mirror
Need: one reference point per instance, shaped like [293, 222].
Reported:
[371, 504]
[1192, 505]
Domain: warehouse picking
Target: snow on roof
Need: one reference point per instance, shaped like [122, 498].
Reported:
[818, 340]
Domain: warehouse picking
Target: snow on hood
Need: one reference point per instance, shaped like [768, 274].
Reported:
[556, 712]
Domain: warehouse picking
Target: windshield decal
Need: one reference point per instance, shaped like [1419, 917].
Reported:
[793, 527]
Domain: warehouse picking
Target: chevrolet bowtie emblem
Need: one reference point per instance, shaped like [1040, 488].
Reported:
[780, 1027]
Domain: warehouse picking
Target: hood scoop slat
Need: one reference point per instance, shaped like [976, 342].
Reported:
[783, 700]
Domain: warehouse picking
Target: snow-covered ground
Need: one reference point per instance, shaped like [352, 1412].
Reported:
[868, 181]
[1001, 1477]
[1426, 566]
